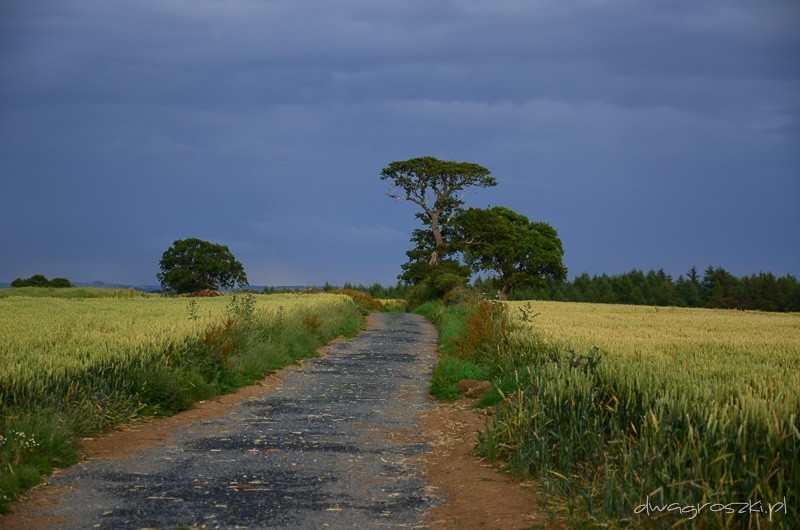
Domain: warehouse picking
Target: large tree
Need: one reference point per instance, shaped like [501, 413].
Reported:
[520, 252]
[437, 187]
[192, 264]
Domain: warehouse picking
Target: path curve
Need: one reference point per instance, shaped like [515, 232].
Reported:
[334, 446]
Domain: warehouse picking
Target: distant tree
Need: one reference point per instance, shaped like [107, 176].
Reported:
[434, 281]
[39, 280]
[437, 187]
[688, 291]
[60, 283]
[789, 289]
[694, 276]
[192, 264]
[721, 289]
[660, 289]
[605, 290]
[520, 252]
[627, 290]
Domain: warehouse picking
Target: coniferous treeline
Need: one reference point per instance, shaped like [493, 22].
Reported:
[716, 288]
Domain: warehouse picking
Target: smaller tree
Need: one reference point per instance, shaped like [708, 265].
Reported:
[192, 264]
[434, 282]
[520, 252]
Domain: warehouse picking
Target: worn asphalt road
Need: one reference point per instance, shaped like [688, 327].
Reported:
[332, 447]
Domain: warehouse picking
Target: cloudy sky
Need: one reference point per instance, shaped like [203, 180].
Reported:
[651, 133]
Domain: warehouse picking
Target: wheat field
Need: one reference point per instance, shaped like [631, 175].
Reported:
[39, 336]
[703, 354]
[682, 406]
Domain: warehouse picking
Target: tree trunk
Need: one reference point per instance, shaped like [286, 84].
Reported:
[503, 293]
[437, 238]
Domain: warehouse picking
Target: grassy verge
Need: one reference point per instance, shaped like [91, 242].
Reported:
[627, 442]
[452, 367]
[47, 408]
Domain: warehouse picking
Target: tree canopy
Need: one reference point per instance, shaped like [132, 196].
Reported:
[437, 187]
[192, 264]
[519, 252]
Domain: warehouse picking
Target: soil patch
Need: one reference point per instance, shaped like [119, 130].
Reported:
[477, 495]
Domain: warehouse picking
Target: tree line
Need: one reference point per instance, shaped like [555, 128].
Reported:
[40, 280]
[715, 288]
[520, 259]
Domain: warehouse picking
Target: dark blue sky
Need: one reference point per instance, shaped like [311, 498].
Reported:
[648, 133]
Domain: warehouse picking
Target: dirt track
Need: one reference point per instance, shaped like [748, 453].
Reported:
[333, 446]
[350, 440]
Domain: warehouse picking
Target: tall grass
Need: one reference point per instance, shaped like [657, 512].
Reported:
[72, 367]
[686, 408]
[452, 367]
[691, 410]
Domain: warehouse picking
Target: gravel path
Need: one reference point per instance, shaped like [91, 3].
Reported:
[333, 447]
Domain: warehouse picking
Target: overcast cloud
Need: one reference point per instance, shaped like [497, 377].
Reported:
[648, 133]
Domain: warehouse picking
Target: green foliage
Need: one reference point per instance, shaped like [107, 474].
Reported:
[449, 320]
[462, 341]
[435, 186]
[376, 290]
[434, 281]
[242, 307]
[520, 252]
[38, 280]
[449, 371]
[191, 265]
[717, 288]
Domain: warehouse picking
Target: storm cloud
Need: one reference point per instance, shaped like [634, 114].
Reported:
[648, 133]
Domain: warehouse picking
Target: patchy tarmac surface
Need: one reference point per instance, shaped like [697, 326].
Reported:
[334, 446]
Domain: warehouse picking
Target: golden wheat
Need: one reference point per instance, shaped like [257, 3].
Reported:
[43, 335]
[697, 354]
